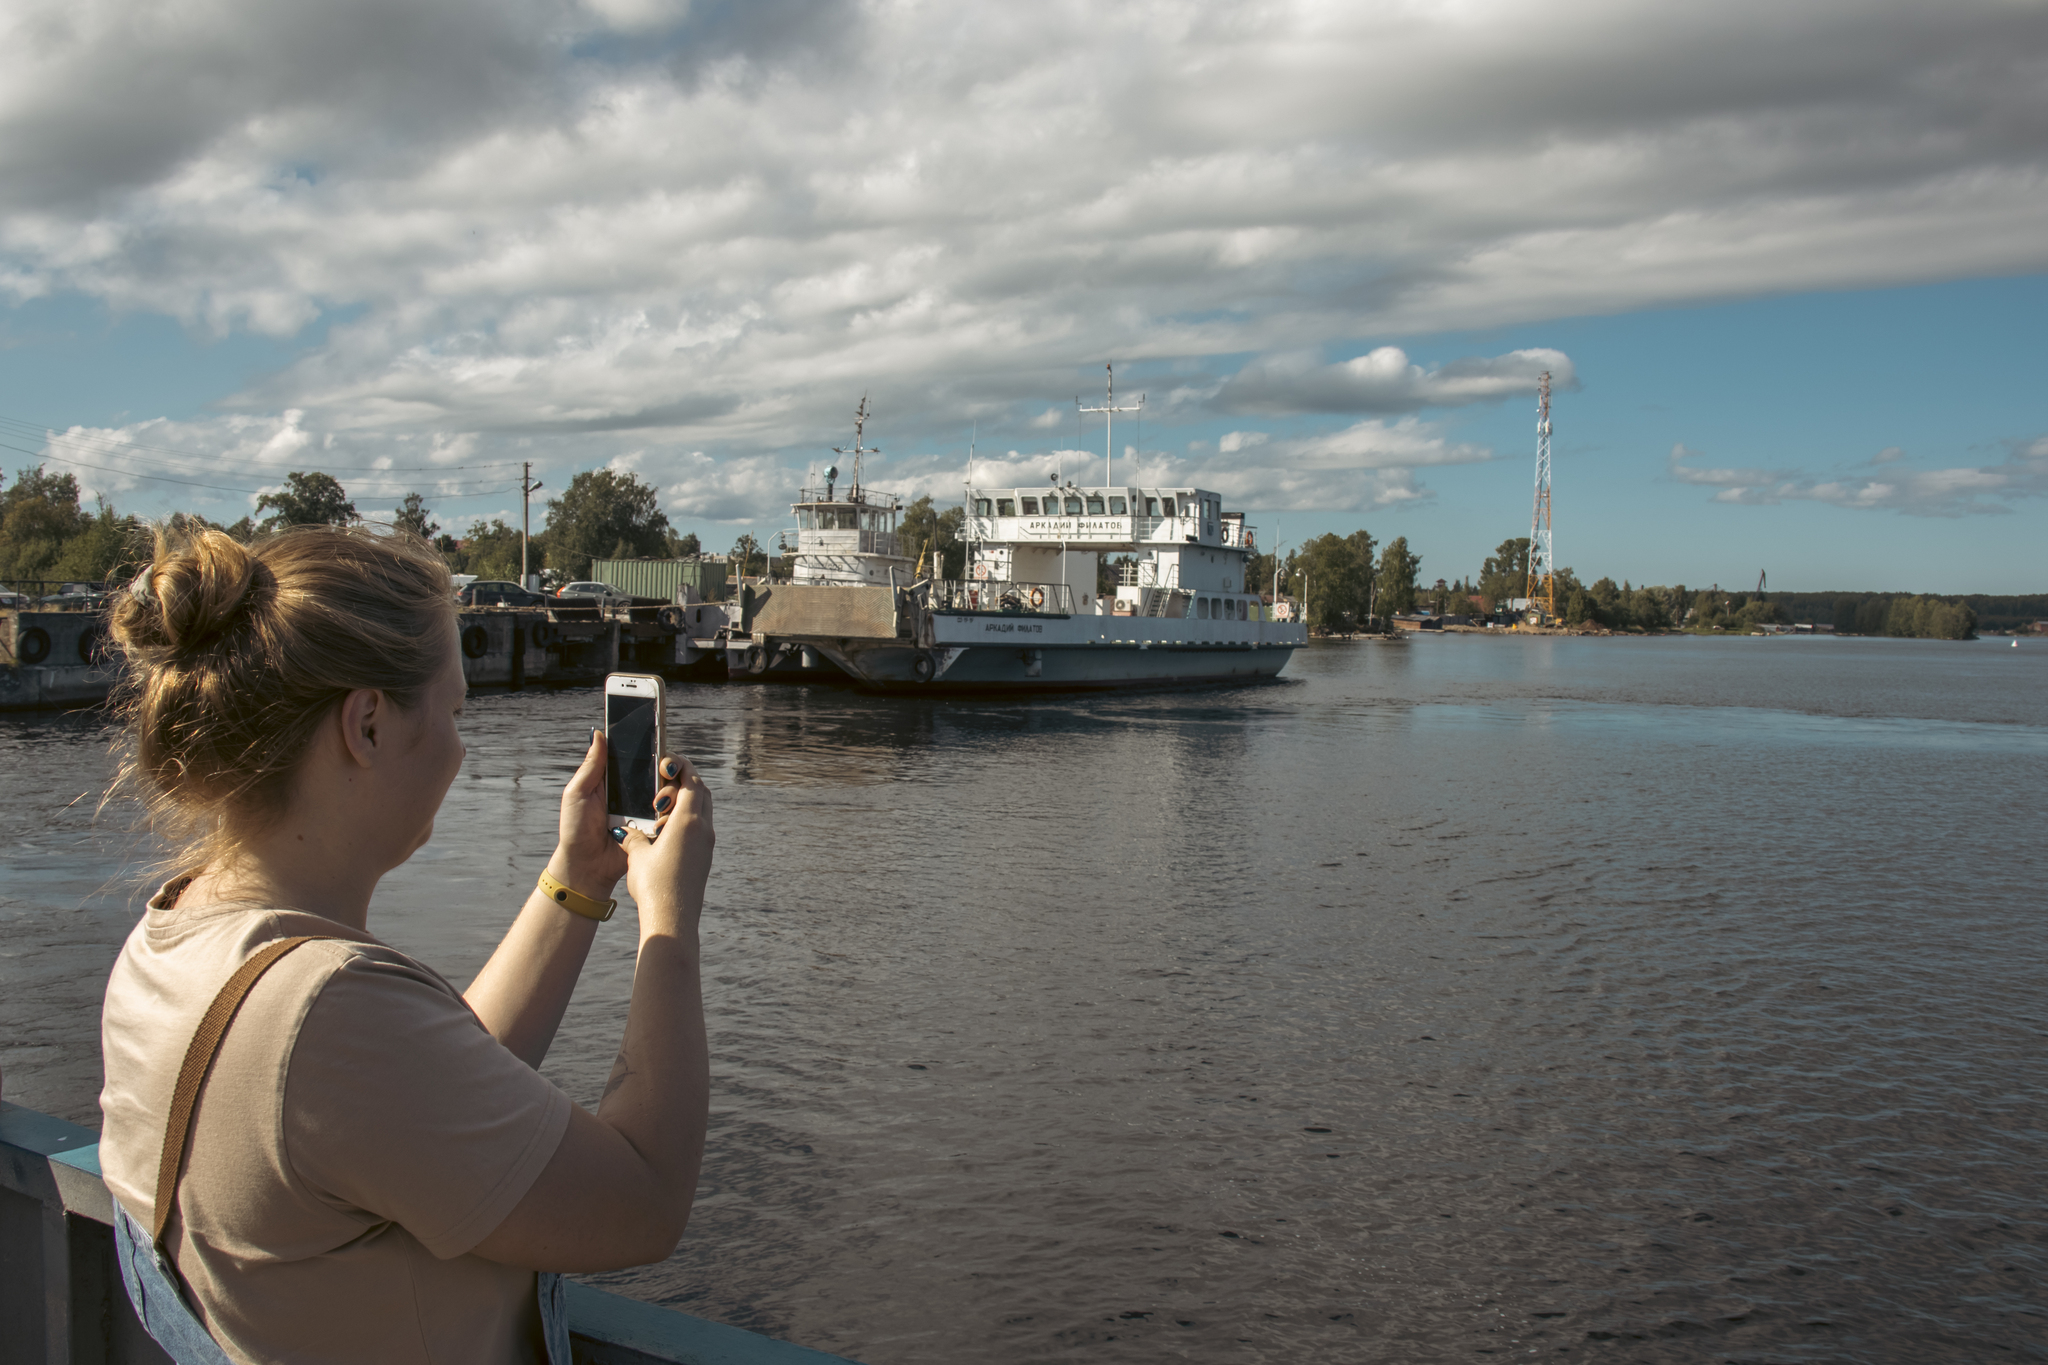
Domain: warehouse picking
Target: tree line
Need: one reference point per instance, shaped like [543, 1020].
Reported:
[46, 535]
[1347, 583]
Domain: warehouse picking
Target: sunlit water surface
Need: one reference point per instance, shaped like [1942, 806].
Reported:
[1637, 1000]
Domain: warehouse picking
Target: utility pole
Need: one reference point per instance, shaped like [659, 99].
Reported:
[528, 486]
[1109, 409]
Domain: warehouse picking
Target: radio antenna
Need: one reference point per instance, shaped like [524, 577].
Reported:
[860, 418]
[1109, 409]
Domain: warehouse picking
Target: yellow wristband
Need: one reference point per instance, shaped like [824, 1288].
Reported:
[587, 906]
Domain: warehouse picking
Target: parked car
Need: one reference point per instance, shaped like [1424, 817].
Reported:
[496, 592]
[604, 594]
[13, 601]
[76, 597]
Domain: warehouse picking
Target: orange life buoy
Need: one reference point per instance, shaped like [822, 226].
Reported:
[1037, 598]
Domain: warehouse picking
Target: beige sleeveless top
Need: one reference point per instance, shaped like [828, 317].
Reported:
[359, 1133]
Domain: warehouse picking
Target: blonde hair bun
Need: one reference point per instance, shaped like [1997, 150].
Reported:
[237, 652]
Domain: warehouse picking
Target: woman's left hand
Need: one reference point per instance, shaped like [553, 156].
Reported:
[587, 858]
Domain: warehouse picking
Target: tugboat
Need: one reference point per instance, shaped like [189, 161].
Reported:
[847, 539]
[844, 537]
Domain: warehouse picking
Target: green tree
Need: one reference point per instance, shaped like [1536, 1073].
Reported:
[313, 499]
[412, 515]
[683, 547]
[39, 516]
[749, 559]
[1398, 567]
[1844, 615]
[100, 550]
[604, 513]
[1504, 574]
[924, 531]
[488, 551]
[1339, 574]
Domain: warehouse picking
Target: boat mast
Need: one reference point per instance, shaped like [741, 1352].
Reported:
[860, 418]
[1109, 409]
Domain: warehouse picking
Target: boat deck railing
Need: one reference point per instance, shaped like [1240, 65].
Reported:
[994, 595]
[61, 1299]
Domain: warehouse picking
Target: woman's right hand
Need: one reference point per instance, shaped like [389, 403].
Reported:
[666, 874]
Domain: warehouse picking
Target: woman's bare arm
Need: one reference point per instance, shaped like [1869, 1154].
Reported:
[618, 1189]
[524, 989]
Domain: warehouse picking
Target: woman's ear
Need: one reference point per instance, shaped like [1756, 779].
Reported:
[363, 711]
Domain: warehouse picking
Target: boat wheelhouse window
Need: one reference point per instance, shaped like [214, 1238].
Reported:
[1030, 507]
[1095, 504]
[1073, 507]
[1169, 507]
[1006, 507]
[1117, 507]
[1202, 608]
[1151, 507]
[982, 507]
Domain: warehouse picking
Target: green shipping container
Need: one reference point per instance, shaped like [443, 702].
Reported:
[662, 579]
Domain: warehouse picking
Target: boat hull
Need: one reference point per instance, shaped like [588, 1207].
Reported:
[1081, 668]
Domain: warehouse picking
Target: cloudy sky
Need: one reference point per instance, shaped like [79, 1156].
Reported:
[1787, 264]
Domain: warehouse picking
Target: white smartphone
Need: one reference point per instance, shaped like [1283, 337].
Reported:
[635, 737]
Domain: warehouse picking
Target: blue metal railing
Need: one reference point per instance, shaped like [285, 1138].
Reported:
[61, 1299]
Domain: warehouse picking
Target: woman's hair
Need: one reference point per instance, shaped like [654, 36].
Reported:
[236, 653]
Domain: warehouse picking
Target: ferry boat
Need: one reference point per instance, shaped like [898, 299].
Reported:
[1029, 616]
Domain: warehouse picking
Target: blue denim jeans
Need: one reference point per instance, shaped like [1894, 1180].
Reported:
[159, 1301]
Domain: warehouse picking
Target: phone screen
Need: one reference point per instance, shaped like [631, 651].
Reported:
[629, 776]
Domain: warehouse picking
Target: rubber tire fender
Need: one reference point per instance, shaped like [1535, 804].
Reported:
[92, 645]
[757, 659]
[923, 668]
[476, 642]
[33, 645]
[671, 617]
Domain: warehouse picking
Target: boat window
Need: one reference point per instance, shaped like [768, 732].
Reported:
[1006, 507]
[1151, 507]
[804, 519]
[981, 507]
[1095, 504]
[1169, 507]
[1030, 507]
[1202, 608]
[1117, 507]
[1240, 609]
[1073, 507]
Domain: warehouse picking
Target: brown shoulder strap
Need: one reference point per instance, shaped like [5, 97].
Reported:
[192, 1075]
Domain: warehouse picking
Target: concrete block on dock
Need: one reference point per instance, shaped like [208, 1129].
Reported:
[816, 611]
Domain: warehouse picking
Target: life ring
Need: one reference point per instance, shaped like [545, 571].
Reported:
[34, 645]
[476, 642]
[922, 667]
[1037, 598]
[981, 571]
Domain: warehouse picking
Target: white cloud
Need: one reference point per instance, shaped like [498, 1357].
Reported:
[1385, 380]
[1954, 492]
[644, 224]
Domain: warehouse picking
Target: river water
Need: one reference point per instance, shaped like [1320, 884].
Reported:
[1605, 999]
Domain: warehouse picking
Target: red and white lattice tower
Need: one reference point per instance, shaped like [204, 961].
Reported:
[1542, 562]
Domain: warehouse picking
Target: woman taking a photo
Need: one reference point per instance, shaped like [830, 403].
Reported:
[373, 1170]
